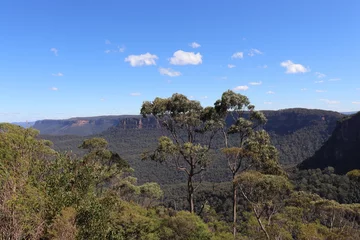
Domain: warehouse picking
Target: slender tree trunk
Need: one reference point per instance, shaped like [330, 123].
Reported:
[261, 224]
[191, 192]
[234, 206]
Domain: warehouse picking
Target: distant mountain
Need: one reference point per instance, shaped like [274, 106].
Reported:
[341, 151]
[348, 113]
[24, 124]
[85, 126]
[297, 133]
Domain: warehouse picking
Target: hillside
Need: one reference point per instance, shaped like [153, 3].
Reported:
[297, 133]
[86, 126]
[341, 151]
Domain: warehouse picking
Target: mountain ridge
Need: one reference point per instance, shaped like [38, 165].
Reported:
[340, 151]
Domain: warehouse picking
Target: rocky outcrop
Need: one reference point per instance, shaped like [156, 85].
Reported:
[341, 151]
[93, 125]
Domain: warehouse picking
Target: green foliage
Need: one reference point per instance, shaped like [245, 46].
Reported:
[50, 195]
[185, 225]
[341, 188]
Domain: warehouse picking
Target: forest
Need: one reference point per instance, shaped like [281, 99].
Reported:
[93, 193]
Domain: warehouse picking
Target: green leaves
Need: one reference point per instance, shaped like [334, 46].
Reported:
[94, 144]
[233, 102]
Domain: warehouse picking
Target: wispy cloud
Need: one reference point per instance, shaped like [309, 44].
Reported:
[117, 50]
[241, 88]
[303, 89]
[231, 66]
[238, 55]
[357, 103]
[330, 101]
[268, 103]
[54, 89]
[181, 57]
[320, 91]
[55, 51]
[146, 59]
[102, 99]
[320, 75]
[263, 66]
[107, 42]
[320, 81]
[194, 45]
[255, 83]
[121, 49]
[254, 52]
[135, 94]
[292, 68]
[169, 72]
[58, 74]
[270, 92]
[334, 79]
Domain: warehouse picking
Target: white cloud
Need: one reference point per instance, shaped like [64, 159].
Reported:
[303, 89]
[357, 103]
[263, 66]
[55, 51]
[241, 88]
[293, 67]
[320, 91]
[329, 101]
[254, 52]
[107, 42]
[142, 59]
[121, 49]
[186, 58]
[135, 94]
[102, 99]
[231, 66]
[54, 89]
[334, 79]
[118, 50]
[194, 45]
[255, 83]
[204, 97]
[321, 81]
[320, 75]
[270, 92]
[268, 103]
[169, 72]
[58, 74]
[238, 55]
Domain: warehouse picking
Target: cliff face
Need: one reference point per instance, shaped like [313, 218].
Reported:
[341, 151]
[92, 125]
[282, 122]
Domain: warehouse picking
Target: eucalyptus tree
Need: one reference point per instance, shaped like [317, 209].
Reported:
[247, 145]
[191, 130]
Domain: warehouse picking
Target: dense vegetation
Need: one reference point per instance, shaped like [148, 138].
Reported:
[341, 151]
[46, 194]
[296, 133]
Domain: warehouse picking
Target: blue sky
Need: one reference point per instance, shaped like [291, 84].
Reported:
[60, 59]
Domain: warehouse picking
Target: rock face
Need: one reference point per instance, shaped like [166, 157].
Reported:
[92, 125]
[280, 122]
[342, 150]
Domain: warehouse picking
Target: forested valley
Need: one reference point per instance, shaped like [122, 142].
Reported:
[226, 171]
